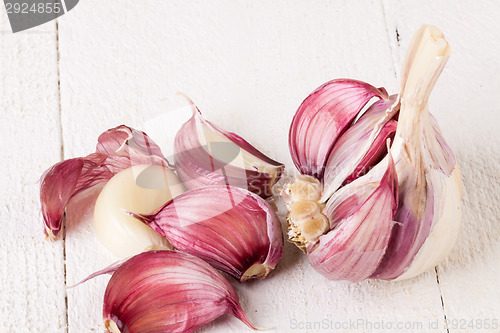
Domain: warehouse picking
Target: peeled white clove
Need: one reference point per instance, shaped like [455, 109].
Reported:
[322, 118]
[167, 291]
[207, 155]
[425, 225]
[142, 189]
[117, 149]
[233, 229]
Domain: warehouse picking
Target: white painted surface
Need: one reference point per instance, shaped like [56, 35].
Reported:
[247, 65]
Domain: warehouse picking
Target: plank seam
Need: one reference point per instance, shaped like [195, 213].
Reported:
[393, 52]
[62, 158]
[442, 299]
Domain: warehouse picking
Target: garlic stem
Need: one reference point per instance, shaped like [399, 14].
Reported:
[429, 180]
[429, 51]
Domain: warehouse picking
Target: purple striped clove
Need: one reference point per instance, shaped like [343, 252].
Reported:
[117, 149]
[167, 291]
[231, 228]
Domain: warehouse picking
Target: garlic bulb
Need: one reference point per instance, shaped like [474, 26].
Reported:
[167, 291]
[207, 155]
[142, 189]
[370, 233]
[232, 229]
[117, 149]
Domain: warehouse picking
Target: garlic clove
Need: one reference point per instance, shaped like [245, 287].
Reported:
[305, 221]
[167, 291]
[206, 155]
[303, 209]
[142, 189]
[353, 249]
[361, 147]
[62, 182]
[303, 188]
[313, 227]
[322, 117]
[231, 228]
[430, 187]
[132, 144]
[117, 149]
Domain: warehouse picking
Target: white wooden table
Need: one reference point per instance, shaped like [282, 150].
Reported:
[248, 65]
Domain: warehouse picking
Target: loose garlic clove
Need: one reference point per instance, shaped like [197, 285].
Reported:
[117, 149]
[321, 119]
[231, 228]
[206, 155]
[167, 291]
[142, 189]
[304, 188]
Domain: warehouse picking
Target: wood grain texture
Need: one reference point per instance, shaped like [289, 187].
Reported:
[32, 289]
[463, 103]
[248, 66]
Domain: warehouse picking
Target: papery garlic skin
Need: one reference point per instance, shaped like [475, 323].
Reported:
[361, 146]
[233, 229]
[360, 230]
[426, 223]
[142, 189]
[429, 178]
[117, 149]
[322, 117]
[167, 291]
[206, 155]
[445, 231]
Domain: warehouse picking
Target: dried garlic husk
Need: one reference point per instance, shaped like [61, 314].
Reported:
[361, 220]
[207, 155]
[429, 178]
[167, 291]
[361, 146]
[142, 189]
[322, 118]
[358, 244]
[117, 149]
[231, 228]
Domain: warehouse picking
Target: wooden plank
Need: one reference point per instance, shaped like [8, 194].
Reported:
[462, 103]
[32, 293]
[248, 65]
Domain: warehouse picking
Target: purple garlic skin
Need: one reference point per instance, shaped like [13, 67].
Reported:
[322, 118]
[394, 226]
[231, 228]
[361, 222]
[206, 155]
[117, 149]
[167, 291]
